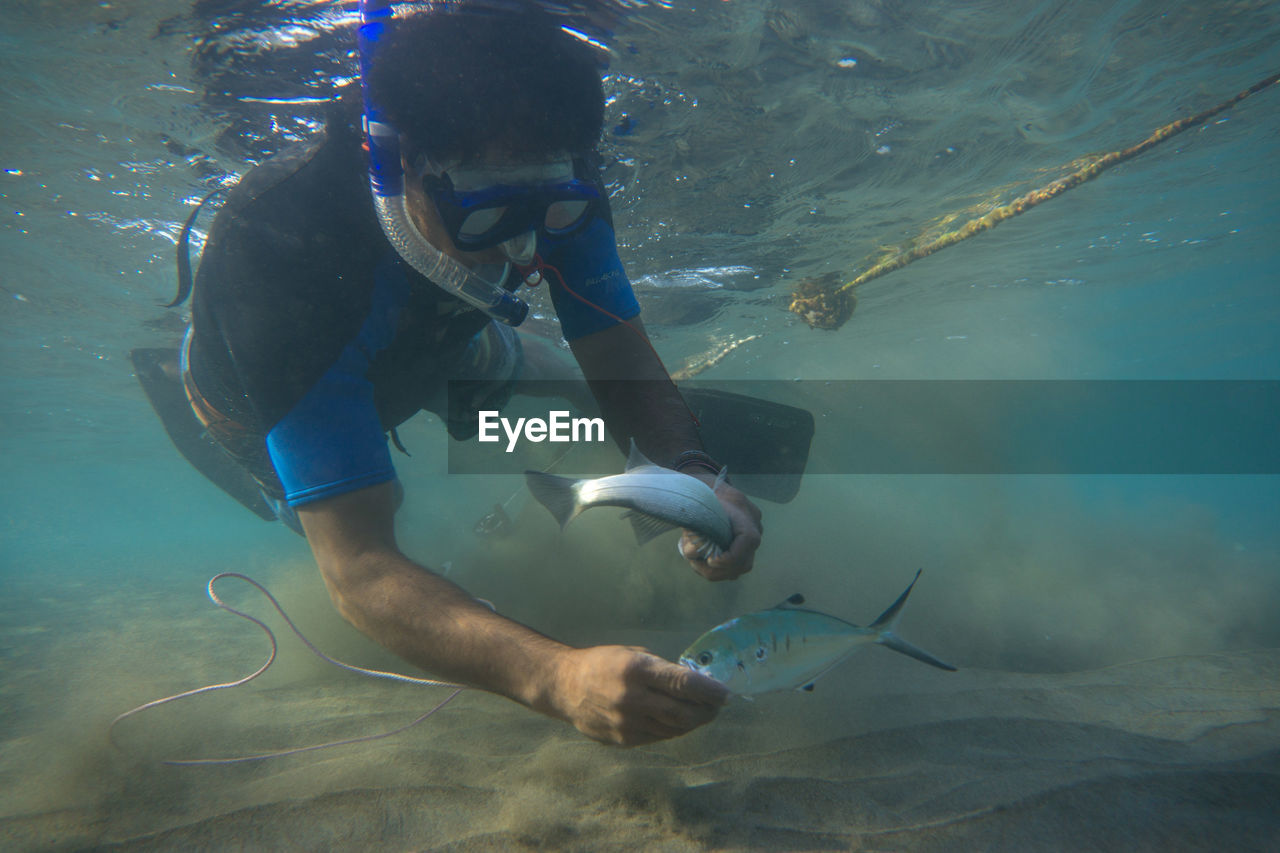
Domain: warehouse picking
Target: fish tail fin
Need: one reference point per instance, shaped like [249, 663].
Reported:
[557, 494]
[888, 620]
[893, 641]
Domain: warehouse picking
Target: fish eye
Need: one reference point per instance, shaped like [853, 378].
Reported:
[705, 658]
[761, 654]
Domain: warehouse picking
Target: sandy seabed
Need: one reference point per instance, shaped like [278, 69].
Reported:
[1173, 753]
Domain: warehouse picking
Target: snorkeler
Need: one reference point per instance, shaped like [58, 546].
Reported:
[325, 314]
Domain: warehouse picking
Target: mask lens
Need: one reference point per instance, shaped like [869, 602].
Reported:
[521, 248]
[564, 215]
[483, 208]
[479, 223]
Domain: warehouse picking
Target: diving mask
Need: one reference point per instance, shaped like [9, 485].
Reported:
[483, 207]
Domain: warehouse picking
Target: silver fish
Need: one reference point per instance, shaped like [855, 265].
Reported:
[789, 648]
[657, 499]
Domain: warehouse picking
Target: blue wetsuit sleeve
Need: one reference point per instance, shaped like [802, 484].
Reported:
[589, 262]
[331, 442]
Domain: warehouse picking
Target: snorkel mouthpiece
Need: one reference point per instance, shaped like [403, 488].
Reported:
[386, 181]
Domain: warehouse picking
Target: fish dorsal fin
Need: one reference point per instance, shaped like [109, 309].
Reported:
[636, 459]
[791, 601]
[646, 526]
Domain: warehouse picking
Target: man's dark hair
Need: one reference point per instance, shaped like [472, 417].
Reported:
[462, 78]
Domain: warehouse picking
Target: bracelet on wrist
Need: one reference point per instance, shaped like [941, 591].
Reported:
[698, 459]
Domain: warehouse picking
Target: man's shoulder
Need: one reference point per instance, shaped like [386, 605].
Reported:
[305, 211]
[269, 175]
[301, 179]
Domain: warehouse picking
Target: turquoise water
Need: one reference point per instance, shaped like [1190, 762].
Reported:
[764, 144]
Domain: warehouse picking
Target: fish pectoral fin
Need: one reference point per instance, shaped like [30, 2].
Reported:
[647, 527]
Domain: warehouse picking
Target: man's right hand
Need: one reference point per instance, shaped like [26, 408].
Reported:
[629, 696]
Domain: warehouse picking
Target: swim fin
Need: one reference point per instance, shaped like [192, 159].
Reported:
[765, 445]
[157, 372]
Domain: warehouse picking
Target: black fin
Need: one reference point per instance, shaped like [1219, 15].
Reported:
[765, 444]
[157, 372]
[395, 439]
[185, 279]
[808, 688]
[884, 622]
[884, 625]
[792, 601]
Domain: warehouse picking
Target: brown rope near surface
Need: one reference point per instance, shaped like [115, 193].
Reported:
[826, 308]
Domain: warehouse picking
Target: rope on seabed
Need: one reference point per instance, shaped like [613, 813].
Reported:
[824, 308]
[373, 673]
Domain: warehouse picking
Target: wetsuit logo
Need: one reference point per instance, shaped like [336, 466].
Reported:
[601, 279]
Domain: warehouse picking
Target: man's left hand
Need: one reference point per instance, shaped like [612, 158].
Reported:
[744, 516]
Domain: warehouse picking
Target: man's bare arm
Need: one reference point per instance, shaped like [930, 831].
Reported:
[636, 396]
[638, 399]
[614, 694]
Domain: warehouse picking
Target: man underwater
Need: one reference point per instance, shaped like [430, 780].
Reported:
[315, 331]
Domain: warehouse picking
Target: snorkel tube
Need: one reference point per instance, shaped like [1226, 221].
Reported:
[386, 181]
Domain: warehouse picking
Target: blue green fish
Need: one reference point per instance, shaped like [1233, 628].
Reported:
[789, 647]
